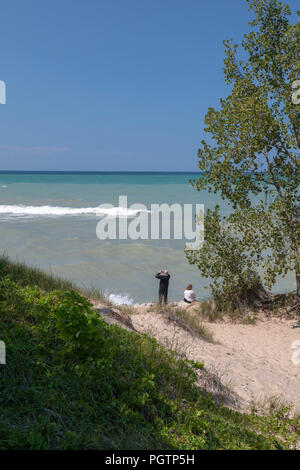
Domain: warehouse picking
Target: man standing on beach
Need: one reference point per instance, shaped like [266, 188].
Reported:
[163, 277]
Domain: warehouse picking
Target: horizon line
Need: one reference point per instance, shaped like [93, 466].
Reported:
[100, 171]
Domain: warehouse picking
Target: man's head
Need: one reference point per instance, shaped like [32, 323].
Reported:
[165, 272]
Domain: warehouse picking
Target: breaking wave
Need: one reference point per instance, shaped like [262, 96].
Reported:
[22, 210]
[119, 299]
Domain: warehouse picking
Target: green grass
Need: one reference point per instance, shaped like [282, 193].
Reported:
[71, 381]
[28, 276]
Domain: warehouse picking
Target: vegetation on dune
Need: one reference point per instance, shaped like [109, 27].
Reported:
[73, 382]
[28, 276]
[253, 161]
[187, 320]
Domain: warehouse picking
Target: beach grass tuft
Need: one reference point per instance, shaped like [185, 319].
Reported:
[189, 321]
[26, 275]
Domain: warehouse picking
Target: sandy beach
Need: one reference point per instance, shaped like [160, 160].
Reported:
[254, 361]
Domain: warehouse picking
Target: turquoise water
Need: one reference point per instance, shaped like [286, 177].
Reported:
[36, 227]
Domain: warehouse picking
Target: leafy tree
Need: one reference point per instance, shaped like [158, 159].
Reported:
[252, 159]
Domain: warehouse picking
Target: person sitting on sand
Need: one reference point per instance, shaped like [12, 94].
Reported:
[189, 295]
[163, 277]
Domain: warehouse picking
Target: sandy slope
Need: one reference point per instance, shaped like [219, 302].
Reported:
[254, 360]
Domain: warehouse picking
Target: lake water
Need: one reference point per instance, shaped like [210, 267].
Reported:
[49, 220]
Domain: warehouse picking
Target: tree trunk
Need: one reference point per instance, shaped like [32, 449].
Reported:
[297, 272]
[257, 296]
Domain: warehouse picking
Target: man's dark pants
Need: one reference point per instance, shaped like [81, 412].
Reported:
[163, 293]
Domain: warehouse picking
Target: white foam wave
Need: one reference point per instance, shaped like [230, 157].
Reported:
[22, 210]
[120, 299]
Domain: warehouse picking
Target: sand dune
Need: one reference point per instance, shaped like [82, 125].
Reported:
[254, 360]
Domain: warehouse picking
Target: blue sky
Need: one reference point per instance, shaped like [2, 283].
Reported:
[112, 85]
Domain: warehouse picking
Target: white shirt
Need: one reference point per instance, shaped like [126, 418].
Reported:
[189, 295]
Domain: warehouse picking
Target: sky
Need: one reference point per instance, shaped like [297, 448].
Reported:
[112, 85]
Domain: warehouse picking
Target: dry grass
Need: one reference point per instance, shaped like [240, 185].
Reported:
[273, 405]
[127, 309]
[189, 321]
[207, 310]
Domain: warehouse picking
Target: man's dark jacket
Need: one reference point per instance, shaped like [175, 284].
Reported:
[163, 281]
